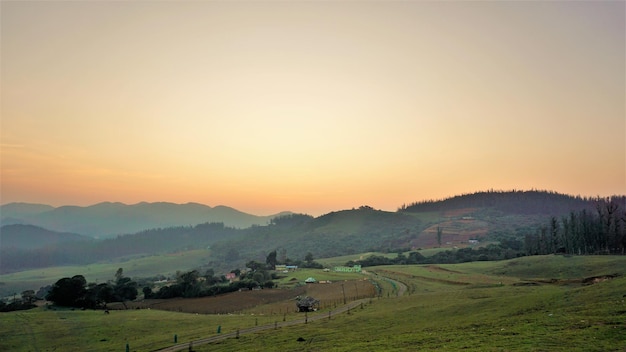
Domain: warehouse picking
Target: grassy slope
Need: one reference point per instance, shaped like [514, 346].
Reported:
[450, 307]
[101, 272]
[483, 315]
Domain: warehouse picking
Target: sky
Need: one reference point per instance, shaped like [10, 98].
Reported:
[309, 106]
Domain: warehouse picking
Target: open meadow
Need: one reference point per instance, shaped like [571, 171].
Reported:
[540, 303]
[161, 264]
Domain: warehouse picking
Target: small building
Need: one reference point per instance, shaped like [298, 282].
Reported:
[346, 269]
[310, 280]
[285, 268]
[473, 242]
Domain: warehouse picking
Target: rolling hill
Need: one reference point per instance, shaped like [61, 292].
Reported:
[487, 216]
[19, 236]
[105, 220]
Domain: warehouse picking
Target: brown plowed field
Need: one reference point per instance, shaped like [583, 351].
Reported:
[267, 301]
[453, 233]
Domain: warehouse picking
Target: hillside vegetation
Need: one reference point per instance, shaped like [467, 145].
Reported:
[538, 303]
[515, 219]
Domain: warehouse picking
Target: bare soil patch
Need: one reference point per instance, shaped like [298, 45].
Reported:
[266, 301]
[453, 233]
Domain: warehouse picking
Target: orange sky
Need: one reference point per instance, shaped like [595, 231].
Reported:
[309, 106]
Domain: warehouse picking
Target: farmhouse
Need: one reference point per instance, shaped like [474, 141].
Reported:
[347, 269]
[285, 268]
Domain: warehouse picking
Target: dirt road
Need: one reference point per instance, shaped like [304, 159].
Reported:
[342, 309]
[399, 288]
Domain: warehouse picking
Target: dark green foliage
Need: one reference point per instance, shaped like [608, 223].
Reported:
[463, 255]
[602, 231]
[27, 301]
[439, 232]
[75, 292]
[15, 305]
[291, 220]
[148, 241]
[191, 284]
[68, 292]
[334, 234]
[271, 260]
[515, 202]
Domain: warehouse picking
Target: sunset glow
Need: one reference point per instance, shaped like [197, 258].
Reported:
[309, 106]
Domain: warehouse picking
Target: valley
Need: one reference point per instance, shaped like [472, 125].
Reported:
[472, 306]
[486, 271]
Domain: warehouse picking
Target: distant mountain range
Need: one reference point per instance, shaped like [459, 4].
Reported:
[35, 235]
[105, 220]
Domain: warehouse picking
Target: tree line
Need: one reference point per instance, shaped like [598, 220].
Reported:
[602, 231]
[76, 292]
[257, 275]
[505, 250]
[514, 201]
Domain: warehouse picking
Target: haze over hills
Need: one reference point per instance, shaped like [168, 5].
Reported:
[450, 223]
[107, 219]
[18, 236]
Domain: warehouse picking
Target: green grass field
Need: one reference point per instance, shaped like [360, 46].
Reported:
[480, 306]
[148, 266]
[165, 264]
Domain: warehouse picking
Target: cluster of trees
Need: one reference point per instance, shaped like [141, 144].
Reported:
[76, 292]
[602, 231]
[274, 259]
[193, 284]
[27, 301]
[505, 250]
[257, 275]
[374, 260]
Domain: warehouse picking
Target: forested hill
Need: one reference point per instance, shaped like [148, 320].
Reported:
[508, 202]
[86, 250]
[31, 237]
[493, 216]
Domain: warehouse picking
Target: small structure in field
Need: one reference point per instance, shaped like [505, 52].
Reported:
[310, 280]
[285, 268]
[347, 269]
[307, 304]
